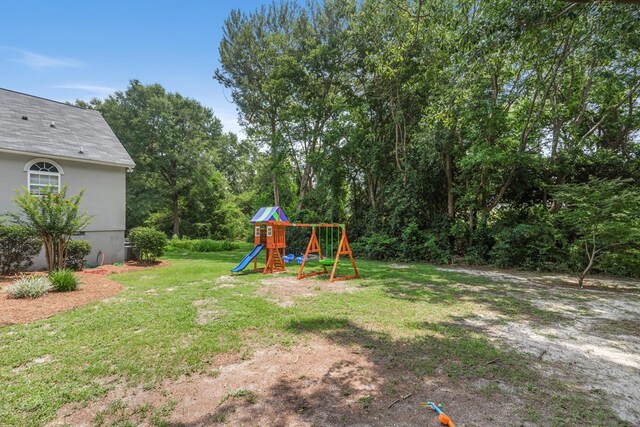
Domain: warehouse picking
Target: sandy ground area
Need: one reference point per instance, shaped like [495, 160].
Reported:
[283, 289]
[595, 348]
[317, 383]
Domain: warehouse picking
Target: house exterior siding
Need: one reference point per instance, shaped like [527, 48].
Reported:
[104, 198]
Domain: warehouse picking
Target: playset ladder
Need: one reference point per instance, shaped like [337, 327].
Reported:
[274, 262]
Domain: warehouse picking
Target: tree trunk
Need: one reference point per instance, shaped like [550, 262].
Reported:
[60, 253]
[449, 175]
[274, 155]
[371, 190]
[176, 219]
[305, 185]
[591, 255]
[276, 189]
[48, 251]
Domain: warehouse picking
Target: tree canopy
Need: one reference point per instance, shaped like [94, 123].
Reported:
[182, 159]
[440, 128]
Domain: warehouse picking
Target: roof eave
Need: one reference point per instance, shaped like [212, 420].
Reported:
[73, 159]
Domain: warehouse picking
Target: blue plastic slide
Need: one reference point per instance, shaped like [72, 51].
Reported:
[248, 258]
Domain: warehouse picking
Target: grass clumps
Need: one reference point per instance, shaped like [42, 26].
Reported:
[63, 280]
[248, 395]
[29, 287]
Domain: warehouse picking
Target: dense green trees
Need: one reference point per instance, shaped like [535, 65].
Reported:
[440, 129]
[185, 165]
[493, 132]
[171, 139]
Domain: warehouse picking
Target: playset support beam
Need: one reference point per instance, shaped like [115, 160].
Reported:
[313, 247]
[343, 249]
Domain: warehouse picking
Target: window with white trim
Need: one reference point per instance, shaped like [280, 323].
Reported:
[269, 231]
[43, 174]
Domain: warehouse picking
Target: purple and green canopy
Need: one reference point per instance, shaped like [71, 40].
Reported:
[270, 213]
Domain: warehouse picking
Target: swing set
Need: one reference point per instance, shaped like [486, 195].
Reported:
[331, 254]
[270, 234]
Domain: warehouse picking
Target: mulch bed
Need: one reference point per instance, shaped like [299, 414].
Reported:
[95, 286]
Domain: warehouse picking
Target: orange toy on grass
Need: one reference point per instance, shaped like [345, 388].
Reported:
[442, 417]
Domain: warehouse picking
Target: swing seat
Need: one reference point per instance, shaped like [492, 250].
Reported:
[326, 261]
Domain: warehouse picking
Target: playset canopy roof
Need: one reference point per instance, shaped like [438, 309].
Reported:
[270, 213]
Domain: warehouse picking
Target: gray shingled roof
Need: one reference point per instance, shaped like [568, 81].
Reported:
[74, 128]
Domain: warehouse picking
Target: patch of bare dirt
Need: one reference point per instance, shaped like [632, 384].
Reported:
[595, 348]
[37, 361]
[208, 310]
[321, 382]
[94, 286]
[283, 289]
[127, 267]
[397, 266]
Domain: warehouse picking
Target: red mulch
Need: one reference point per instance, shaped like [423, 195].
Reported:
[94, 286]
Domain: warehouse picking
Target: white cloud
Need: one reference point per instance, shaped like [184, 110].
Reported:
[39, 62]
[95, 89]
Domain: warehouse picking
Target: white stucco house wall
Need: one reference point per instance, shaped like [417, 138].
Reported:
[45, 142]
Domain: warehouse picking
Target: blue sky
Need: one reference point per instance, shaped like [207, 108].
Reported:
[65, 50]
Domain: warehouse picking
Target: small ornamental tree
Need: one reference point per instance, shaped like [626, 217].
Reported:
[54, 217]
[605, 217]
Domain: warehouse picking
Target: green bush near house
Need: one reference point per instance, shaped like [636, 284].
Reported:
[29, 287]
[200, 245]
[148, 243]
[18, 246]
[77, 251]
[63, 280]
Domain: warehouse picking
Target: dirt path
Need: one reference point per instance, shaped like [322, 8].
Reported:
[596, 348]
[320, 382]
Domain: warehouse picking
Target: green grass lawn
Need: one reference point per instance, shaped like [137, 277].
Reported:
[149, 333]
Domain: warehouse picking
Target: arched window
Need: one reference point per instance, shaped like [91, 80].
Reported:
[41, 174]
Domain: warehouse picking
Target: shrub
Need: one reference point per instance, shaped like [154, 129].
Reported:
[77, 250]
[148, 243]
[435, 251]
[529, 246]
[200, 245]
[29, 287]
[376, 246]
[18, 246]
[63, 280]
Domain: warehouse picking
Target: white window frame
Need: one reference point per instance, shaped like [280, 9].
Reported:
[269, 231]
[27, 169]
[257, 233]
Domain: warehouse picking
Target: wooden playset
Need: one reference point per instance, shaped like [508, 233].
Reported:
[270, 234]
